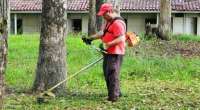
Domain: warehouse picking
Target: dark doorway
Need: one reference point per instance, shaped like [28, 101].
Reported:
[77, 25]
[12, 25]
[19, 26]
[195, 25]
[126, 23]
[150, 20]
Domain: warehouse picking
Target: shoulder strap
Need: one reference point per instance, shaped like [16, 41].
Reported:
[116, 18]
[108, 26]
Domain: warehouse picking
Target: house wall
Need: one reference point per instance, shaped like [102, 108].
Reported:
[82, 16]
[85, 24]
[186, 24]
[136, 22]
[190, 23]
[178, 24]
[31, 23]
[198, 26]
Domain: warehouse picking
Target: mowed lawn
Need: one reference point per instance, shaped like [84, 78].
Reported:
[155, 75]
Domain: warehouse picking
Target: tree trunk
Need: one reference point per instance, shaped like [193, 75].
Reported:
[99, 20]
[4, 9]
[51, 66]
[165, 20]
[92, 17]
[116, 4]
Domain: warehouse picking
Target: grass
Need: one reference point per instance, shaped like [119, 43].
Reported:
[150, 78]
[185, 37]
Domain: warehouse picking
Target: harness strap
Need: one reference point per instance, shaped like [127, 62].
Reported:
[109, 24]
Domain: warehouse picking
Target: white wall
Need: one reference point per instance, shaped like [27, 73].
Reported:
[82, 16]
[85, 24]
[69, 24]
[136, 22]
[31, 24]
[185, 25]
[178, 25]
[189, 25]
[198, 26]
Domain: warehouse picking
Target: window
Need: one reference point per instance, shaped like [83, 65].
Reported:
[150, 20]
[179, 15]
[76, 25]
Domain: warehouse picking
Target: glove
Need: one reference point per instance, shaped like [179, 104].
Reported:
[102, 47]
[87, 40]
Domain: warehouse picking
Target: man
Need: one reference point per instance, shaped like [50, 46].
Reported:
[113, 38]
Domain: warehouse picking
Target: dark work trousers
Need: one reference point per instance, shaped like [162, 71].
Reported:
[111, 68]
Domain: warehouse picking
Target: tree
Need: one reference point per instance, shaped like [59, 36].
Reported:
[92, 17]
[4, 14]
[116, 4]
[51, 66]
[99, 20]
[165, 20]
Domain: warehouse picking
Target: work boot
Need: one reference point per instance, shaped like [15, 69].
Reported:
[113, 99]
[120, 94]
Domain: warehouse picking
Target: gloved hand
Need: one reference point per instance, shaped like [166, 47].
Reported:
[87, 40]
[102, 47]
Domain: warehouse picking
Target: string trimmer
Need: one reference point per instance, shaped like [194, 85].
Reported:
[49, 93]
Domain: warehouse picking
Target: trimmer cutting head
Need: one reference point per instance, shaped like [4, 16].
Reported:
[43, 97]
[40, 100]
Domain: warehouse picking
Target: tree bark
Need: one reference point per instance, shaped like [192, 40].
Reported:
[92, 17]
[51, 66]
[116, 4]
[4, 9]
[165, 20]
[99, 20]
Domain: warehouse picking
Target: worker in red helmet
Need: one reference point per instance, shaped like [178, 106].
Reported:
[113, 42]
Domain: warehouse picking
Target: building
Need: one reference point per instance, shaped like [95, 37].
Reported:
[26, 14]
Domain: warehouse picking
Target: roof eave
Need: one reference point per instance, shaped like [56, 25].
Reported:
[79, 11]
[85, 11]
[196, 12]
[17, 11]
[173, 11]
[20, 11]
[130, 11]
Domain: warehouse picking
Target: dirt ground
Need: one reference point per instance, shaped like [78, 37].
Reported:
[168, 48]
